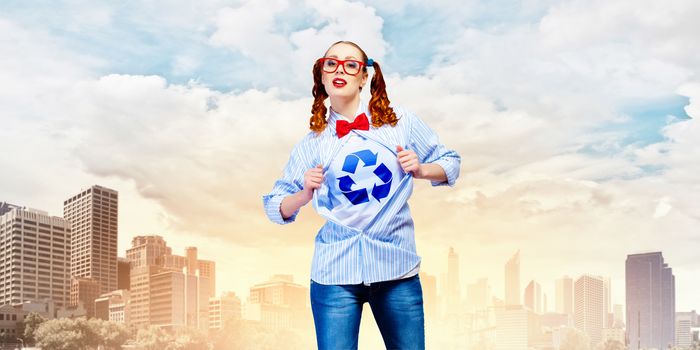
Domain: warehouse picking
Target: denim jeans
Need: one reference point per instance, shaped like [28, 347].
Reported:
[397, 307]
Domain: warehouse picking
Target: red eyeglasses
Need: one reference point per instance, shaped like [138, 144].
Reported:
[351, 67]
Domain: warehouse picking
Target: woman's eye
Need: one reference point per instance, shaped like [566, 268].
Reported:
[352, 65]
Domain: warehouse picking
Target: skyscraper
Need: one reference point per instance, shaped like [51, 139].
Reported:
[515, 329]
[684, 323]
[93, 216]
[145, 257]
[123, 270]
[34, 256]
[452, 280]
[651, 301]
[564, 295]
[224, 310]
[84, 291]
[589, 307]
[513, 280]
[478, 295]
[168, 290]
[533, 297]
[618, 318]
[430, 299]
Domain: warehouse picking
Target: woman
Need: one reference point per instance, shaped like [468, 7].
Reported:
[360, 178]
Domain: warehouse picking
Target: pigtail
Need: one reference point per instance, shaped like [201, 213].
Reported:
[379, 107]
[318, 109]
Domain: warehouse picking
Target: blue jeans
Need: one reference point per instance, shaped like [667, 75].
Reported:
[397, 307]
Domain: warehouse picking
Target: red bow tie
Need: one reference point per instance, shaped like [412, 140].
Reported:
[343, 127]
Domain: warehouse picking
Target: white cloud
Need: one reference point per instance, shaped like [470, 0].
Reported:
[250, 29]
[286, 58]
[521, 103]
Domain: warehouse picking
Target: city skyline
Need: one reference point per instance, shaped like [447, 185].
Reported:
[550, 290]
[577, 123]
[174, 296]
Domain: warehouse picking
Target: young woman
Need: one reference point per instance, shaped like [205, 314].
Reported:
[357, 166]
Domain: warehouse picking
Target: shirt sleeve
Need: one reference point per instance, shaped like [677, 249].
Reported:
[425, 142]
[291, 182]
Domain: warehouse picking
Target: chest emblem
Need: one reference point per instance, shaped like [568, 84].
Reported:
[380, 188]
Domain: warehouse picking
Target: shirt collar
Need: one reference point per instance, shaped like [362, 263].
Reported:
[363, 107]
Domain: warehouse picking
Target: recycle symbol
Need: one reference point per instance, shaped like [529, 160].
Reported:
[361, 195]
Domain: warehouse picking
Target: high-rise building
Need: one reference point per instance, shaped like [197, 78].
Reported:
[453, 299]
[34, 256]
[589, 307]
[168, 290]
[478, 295]
[516, 328]
[224, 309]
[430, 299]
[278, 303]
[533, 297]
[84, 291]
[207, 269]
[168, 299]
[608, 303]
[684, 322]
[6, 207]
[651, 301]
[564, 295]
[145, 258]
[93, 215]
[123, 271]
[618, 316]
[513, 280]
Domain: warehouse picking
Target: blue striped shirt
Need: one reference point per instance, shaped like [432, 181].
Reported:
[386, 248]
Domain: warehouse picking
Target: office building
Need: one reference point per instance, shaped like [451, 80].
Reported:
[651, 301]
[34, 256]
[223, 310]
[533, 298]
[564, 295]
[93, 215]
[589, 307]
[512, 286]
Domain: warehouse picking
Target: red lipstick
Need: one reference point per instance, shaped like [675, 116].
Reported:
[339, 82]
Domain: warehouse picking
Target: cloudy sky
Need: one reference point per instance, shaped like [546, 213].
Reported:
[576, 122]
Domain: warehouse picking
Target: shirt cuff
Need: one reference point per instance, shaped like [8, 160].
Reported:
[272, 205]
[450, 171]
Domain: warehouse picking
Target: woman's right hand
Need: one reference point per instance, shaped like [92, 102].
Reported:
[313, 178]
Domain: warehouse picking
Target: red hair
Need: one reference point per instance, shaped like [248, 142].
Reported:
[379, 107]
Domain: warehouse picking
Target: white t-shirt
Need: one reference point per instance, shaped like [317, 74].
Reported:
[356, 143]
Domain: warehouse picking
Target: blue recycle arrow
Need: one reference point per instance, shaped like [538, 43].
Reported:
[355, 197]
[358, 196]
[345, 183]
[351, 160]
[384, 174]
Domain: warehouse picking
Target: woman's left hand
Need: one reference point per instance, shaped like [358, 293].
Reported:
[409, 161]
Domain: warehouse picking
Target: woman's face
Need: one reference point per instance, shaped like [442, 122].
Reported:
[339, 83]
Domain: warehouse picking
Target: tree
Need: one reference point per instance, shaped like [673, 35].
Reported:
[188, 339]
[61, 334]
[575, 340]
[111, 335]
[612, 345]
[253, 335]
[30, 324]
[153, 338]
